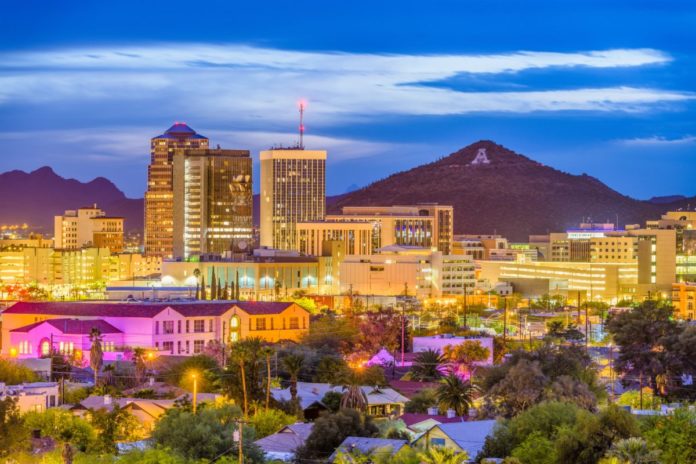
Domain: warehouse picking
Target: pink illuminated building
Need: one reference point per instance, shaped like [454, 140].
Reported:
[29, 329]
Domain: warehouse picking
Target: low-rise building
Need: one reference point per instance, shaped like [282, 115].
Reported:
[283, 444]
[374, 447]
[36, 396]
[468, 436]
[684, 300]
[32, 329]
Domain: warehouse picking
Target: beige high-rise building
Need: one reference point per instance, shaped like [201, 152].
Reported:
[293, 189]
[159, 197]
[212, 201]
[88, 226]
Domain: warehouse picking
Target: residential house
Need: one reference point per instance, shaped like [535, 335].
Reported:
[283, 444]
[369, 446]
[468, 436]
[36, 396]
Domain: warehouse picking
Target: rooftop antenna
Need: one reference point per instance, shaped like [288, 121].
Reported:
[302, 105]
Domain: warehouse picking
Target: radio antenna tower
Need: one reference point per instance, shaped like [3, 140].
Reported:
[302, 105]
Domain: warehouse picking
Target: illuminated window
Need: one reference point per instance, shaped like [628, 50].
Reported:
[199, 326]
[234, 322]
[45, 347]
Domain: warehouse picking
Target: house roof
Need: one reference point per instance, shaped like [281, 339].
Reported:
[469, 436]
[369, 445]
[287, 439]
[412, 418]
[310, 393]
[144, 309]
[73, 326]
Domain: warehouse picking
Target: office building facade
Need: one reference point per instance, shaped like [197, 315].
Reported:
[159, 197]
[88, 226]
[293, 190]
[212, 201]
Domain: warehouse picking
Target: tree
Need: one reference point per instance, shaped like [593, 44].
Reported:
[644, 336]
[240, 355]
[204, 435]
[13, 373]
[62, 426]
[332, 400]
[674, 435]
[567, 389]
[521, 388]
[592, 435]
[535, 449]
[96, 355]
[203, 289]
[331, 335]
[466, 354]
[426, 365]
[114, 426]
[333, 370]
[207, 369]
[197, 275]
[354, 398]
[267, 352]
[292, 364]
[455, 393]
[633, 450]
[139, 364]
[441, 455]
[422, 400]
[213, 286]
[329, 431]
[269, 421]
[13, 434]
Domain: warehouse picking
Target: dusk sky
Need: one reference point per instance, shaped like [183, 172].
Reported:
[580, 86]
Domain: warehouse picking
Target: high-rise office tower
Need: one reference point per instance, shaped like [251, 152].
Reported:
[293, 189]
[212, 201]
[159, 197]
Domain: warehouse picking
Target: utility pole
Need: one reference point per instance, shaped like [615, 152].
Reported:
[239, 436]
[466, 306]
[587, 328]
[505, 311]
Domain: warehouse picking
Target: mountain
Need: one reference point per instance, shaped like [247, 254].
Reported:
[667, 199]
[35, 197]
[494, 189]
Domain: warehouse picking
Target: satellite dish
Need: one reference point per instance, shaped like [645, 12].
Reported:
[242, 245]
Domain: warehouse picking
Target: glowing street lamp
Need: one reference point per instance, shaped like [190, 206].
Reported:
[195, 392]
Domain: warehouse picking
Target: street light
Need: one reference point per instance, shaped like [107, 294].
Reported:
[195, 392]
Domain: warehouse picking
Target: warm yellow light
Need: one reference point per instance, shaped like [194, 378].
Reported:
[13, 352]
[150, 355]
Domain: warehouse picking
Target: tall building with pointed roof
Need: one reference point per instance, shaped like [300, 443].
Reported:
[159, 197]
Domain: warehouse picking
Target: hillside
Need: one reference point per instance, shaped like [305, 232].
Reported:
[35, 197]
[495, 189]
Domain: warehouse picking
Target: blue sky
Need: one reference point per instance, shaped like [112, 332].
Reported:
[582, 86]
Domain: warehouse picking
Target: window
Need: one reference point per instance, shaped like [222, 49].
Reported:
[45, 347]
[168, 346]
[178, 326]
[168, 327]
[187, 347]
[198, 346]
[234, 322]
[187, 327]
[178, 346]
[261, 323]
[199, 326]
[156, 327]
[210, 325]
[437, 441]
[294, 323]
[234, 336]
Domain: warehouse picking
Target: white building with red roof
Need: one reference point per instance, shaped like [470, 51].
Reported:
[30, 329]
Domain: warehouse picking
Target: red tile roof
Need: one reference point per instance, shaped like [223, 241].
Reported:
[143, 309]
[73, 326]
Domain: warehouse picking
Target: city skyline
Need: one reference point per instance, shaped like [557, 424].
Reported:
[605, 92]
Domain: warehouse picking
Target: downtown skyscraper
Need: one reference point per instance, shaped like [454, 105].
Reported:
[293, 189]
[159, 197]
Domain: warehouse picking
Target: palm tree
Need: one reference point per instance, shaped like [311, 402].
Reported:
[441, 455]
[454, 393]
[240, 354]
[96, 355]
[354, 398]
[197, 275]
[426, 365]
[633, 450]
[267, 352]
[139, 361]
[293, 364]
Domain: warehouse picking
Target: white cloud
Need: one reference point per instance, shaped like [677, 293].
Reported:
[658, 141]
[243, 84]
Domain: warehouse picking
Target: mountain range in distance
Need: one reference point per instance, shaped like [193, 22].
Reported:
[492, 190]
